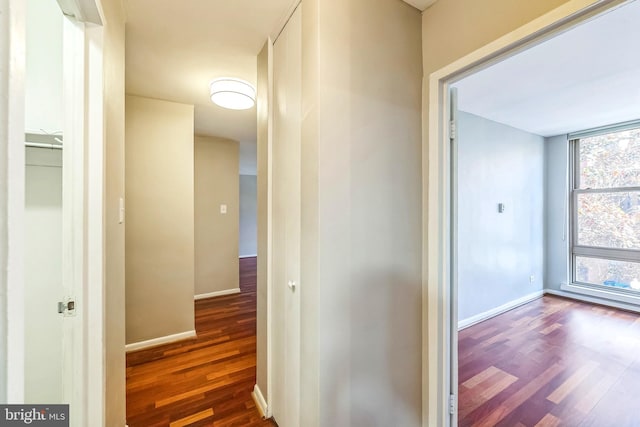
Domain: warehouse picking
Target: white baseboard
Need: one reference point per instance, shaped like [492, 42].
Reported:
[594, 300]
[217, 293]
[248, 256]
[159, 341]
[258, 398]
[465, 323]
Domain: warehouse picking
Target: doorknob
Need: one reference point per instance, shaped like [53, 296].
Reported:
[292, 285]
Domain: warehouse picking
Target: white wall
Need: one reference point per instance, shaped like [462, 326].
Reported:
[498, 252]
[43, 275]
[248, 244]
[43, 90]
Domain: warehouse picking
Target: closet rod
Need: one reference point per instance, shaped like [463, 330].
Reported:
[42, 145]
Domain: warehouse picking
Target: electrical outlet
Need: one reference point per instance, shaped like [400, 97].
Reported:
[532, 278]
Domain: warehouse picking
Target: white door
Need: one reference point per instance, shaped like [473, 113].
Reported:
[63, 211]
[43, 288]
[453, 327]
[43, 276]
[286, 286]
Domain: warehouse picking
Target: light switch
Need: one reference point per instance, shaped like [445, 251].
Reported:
[501, 207]
[223, 209]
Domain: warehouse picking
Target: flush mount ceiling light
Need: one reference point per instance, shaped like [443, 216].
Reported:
[234, 94]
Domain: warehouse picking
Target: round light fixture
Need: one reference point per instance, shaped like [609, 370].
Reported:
[234, 94]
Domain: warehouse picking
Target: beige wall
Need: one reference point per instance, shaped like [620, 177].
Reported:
[114, 293]
[262, 188]
[361, 213]
[216, 234]
[160, 218]
[454, 28]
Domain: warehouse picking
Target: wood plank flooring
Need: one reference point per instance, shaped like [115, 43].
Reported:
[206, 381]
[551, 362]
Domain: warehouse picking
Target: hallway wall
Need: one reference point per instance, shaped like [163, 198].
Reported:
[361, 213]
[216, 183]
[160, 219]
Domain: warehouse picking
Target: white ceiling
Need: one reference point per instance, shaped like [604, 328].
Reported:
[175, 48]
[584, 78]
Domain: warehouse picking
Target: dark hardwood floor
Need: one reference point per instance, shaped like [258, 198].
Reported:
[206, 381]
[551, 362]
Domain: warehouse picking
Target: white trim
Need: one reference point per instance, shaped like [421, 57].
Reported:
[12, 166]
[74, 219]
[258, 398]
[95, 228]
[140, 345]
[593, 300]
[600, 296]
[470, 321]
[217, 294]
[249, 256]
[270, 108]
[436, 285]
[81, 10]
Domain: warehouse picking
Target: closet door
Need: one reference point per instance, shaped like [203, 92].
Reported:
[43, 217]
[287, 57]
[43, 275]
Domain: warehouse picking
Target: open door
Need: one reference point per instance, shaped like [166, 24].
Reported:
[453, 327]
[43, 208]
[63, 210]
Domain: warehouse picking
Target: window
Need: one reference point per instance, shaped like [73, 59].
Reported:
[605, 204]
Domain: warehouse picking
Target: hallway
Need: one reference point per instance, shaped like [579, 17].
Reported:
[206, 381]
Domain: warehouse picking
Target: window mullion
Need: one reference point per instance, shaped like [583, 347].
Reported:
[608, 253]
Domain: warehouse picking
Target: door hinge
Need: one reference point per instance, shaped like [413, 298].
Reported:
[67, 307]
[452, 129]
[452, 404]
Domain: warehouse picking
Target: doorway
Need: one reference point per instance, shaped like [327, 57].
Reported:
[48, 303]
[442, 258]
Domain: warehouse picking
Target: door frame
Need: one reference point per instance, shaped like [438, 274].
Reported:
[12, 169]
[84, 267]
[438, 292]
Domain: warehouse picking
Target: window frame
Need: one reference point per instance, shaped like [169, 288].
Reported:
[584, 251]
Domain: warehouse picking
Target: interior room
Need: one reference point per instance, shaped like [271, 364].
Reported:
[244, 212]
[546, 187]
[191, 211]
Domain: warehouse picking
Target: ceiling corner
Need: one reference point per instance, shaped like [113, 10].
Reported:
[421, 5]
